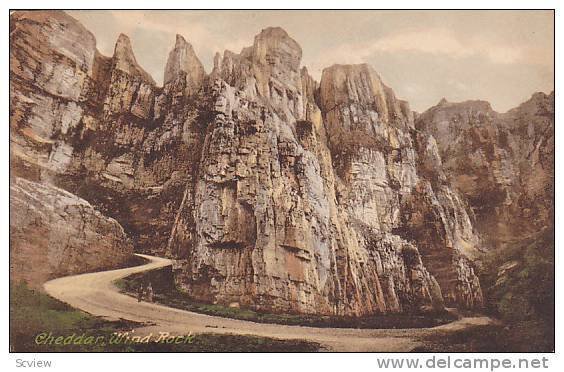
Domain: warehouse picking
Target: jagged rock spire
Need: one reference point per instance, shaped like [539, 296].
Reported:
[216, 64]
[274, 43]
[183, 59]
[124, 59]
[358, 84]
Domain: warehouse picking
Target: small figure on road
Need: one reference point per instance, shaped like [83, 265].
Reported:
[149, 292]
[140, 292]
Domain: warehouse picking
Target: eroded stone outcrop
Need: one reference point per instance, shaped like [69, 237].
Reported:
[54, 233]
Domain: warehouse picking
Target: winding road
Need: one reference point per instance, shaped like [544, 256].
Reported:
[96, 294]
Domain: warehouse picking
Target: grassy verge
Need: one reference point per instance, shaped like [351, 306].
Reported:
[166, 294]
[35, 315]
[517, 338]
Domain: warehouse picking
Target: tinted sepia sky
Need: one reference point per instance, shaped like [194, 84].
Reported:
[499, 56]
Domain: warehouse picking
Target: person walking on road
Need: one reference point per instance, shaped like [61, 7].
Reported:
[140, 293]
[150, 292]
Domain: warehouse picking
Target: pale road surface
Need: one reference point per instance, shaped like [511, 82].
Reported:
[96, 294]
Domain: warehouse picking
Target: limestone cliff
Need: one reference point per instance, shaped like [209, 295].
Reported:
[302, 207]
[270, 190]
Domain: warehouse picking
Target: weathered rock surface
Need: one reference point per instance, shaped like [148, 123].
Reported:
[98, 126]
[299, 207]
[502, 163]
[271, 191]
[392, 180]
[55, 233]
[182, 60]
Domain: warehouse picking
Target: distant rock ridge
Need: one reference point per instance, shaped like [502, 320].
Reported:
[503, 163]
[270, 190]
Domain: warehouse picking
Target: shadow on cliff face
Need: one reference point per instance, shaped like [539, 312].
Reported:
[519, 280]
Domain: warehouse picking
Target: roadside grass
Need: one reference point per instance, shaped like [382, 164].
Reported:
[33, 313]
[166, 294]
[519, 338]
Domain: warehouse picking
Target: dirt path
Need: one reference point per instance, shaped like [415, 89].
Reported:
[96, 294]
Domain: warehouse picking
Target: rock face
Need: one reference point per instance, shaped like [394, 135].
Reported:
[98, 126]
[502, 163]
[308, 208]
[55, 233]
[271, 191]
